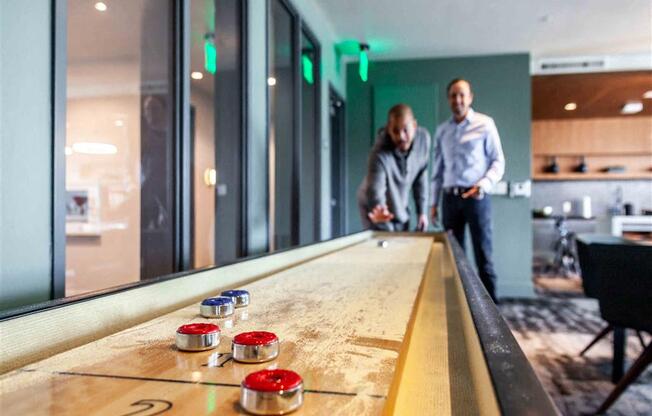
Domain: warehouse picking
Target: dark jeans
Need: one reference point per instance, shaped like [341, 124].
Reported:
[456, 213]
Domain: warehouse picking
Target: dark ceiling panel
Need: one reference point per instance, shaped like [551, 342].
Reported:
[597, 95]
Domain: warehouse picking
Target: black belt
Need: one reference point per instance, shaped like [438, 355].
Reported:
[456, 190]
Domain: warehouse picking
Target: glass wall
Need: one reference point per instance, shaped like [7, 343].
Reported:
[310, 156]
[154, 180]
[281, 82]
[119, 143]
[216, 100]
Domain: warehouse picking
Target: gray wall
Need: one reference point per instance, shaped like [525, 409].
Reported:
[502, 89]
[25, 152]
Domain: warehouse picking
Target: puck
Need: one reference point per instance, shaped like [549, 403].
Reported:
[197, 337]
[271, 392]
[219, 307]
[240, 297]
[255, 347]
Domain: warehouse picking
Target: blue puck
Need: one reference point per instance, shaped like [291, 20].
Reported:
[219, 307]
[240, 297]
[220, 300]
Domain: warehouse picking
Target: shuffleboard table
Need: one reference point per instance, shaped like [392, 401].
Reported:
[402, 327]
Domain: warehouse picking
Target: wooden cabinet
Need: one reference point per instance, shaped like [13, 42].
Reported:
[603, 142]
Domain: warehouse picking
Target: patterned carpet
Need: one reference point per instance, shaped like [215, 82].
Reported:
[552, 329]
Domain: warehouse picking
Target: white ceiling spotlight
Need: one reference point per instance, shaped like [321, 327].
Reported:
[647, 94]
[570, 106]
[100, 6]
[196, 75]
[632, 107]
[271, 81]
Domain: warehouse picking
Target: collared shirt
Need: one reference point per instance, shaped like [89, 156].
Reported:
[467, 153]
[392, 174]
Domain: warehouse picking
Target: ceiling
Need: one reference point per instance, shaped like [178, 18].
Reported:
[596, 95]
[106, 48]
[94, 35]
[551, 28]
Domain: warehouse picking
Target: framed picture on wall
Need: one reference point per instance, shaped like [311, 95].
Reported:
[82, 212]
[77, 207]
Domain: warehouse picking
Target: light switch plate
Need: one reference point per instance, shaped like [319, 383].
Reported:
[520, 189]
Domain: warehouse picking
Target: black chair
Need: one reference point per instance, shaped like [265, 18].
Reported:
[590, 276]
[625, 298]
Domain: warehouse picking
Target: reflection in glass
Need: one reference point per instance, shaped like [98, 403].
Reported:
[202, 85]
[281, 128]
[308, 209]
[216, 100]
[119, 141]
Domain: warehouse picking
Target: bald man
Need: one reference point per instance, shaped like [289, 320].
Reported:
[397, 165]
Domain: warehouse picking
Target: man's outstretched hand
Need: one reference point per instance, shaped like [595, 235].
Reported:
[422, 224]
[380, 214]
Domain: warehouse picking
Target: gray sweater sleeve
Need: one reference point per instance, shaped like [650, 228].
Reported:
[420, 191]
[377, 186]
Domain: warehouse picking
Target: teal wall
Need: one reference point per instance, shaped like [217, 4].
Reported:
[502, 90]
[25, 152]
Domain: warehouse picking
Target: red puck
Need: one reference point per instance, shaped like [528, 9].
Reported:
[272, 380]
[255, 347]
[198, 329]
[197, 337]
[271, 392]
[255, 338]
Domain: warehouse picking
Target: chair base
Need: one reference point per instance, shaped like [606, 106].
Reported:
[630, 376]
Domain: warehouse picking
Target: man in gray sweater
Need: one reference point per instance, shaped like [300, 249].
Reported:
[398, 163]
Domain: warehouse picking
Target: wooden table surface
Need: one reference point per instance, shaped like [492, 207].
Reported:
[341, 318]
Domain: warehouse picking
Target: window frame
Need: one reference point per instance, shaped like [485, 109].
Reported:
[304, 29]
[298, 29]
[182, 154]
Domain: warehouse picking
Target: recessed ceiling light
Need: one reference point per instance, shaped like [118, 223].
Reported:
[271, 81]
[647, 94]
[197, 75]
[632, 107]
[119, 123]
[90, 148]
[100, 7]
[68, 150]
[570, 106]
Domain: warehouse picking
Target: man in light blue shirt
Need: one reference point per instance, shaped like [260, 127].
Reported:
[469, 160]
